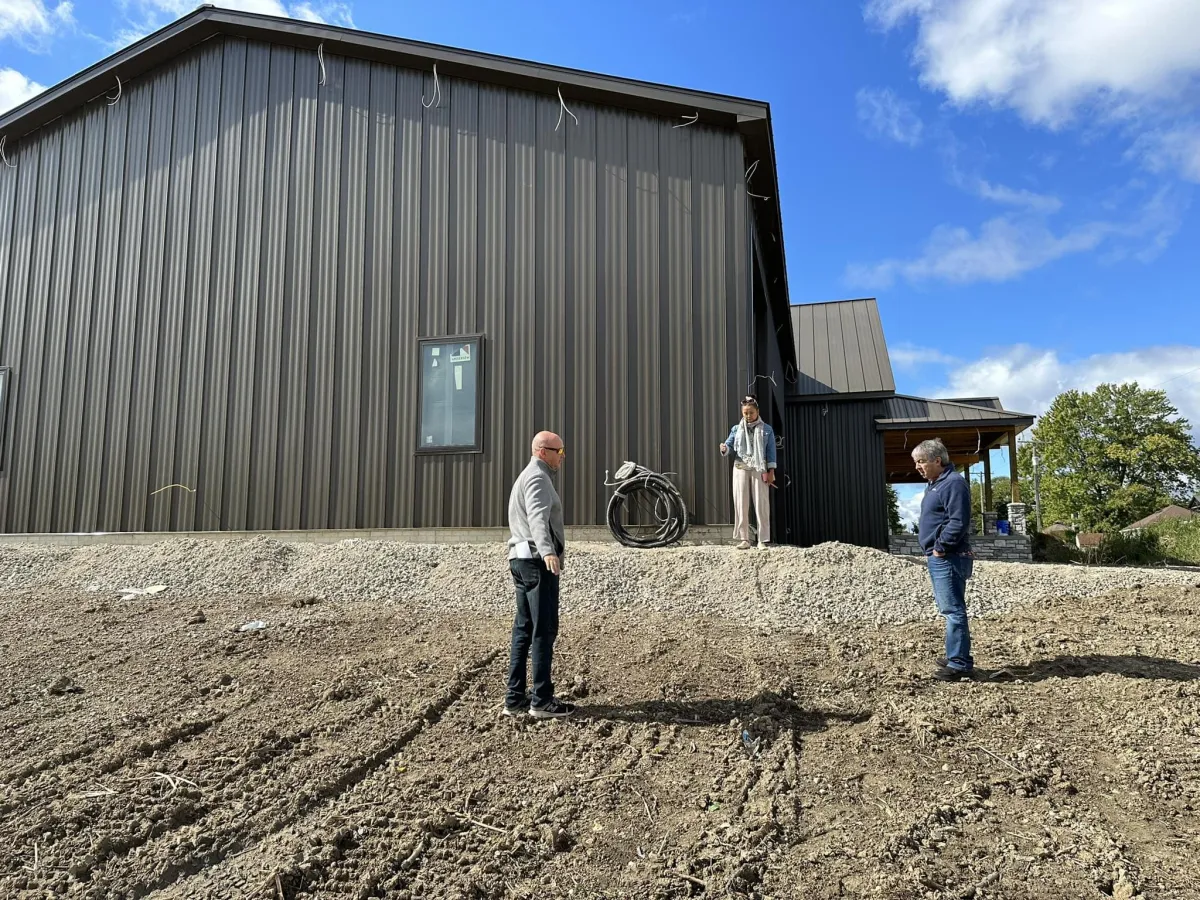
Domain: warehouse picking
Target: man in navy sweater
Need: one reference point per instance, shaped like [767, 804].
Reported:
[945, 534]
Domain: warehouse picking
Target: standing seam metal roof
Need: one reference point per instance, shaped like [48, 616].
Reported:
[840, 349]
[905, 409]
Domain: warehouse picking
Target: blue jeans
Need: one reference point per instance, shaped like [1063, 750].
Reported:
[949, 575]
[535, 627]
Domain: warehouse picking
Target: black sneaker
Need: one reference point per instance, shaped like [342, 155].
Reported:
[517, 710]
[555, 709]
[945, 673]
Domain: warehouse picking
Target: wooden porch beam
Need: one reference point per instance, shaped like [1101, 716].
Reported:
[1012, 466]
[987, 482]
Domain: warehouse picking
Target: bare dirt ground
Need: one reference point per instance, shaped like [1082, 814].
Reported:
[354, 749]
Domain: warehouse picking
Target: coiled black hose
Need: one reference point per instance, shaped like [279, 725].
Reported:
[651, 499]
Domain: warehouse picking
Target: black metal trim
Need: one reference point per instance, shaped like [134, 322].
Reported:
[5, 391]
[944, 424]
[456, 449]
[838, 398]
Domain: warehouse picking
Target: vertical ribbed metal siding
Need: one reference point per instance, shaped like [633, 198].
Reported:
[834, 456]
[219, 283]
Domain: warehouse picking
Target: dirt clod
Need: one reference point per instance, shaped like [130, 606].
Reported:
[62, 685]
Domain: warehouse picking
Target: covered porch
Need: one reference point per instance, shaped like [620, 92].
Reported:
[970, 428]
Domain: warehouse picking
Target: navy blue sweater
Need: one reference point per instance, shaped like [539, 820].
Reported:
[945, 524]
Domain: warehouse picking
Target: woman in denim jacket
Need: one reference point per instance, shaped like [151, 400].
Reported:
[752, 441]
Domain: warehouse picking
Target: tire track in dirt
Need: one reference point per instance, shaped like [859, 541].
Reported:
[457, 843]
[364, 827]
[213, 840]
[132, 818]
[109, 733]
[61, 823]
[385, 832]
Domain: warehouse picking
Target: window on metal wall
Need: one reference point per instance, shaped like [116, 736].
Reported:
[451, 416]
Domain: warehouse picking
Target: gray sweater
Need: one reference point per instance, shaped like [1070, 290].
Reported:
[535, 515]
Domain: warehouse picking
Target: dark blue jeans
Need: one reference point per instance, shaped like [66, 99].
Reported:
[949, 575]
[534, 629]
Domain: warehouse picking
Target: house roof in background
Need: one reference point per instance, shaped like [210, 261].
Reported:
[840, 350]
[1166, 514]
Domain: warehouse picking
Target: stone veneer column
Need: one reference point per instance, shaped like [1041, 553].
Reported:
[989, 523]
[1016, 518]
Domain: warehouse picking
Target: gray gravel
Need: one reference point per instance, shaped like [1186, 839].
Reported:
[784, 588]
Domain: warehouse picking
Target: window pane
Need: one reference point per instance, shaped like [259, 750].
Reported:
[449, 378]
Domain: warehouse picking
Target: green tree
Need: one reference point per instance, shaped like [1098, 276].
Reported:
[895, 523]
[1111, 456]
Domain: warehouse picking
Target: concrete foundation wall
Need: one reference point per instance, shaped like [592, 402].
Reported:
[697, 535]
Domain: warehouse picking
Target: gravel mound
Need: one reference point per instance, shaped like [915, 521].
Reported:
[785, 588]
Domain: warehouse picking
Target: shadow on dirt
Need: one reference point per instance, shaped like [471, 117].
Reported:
[1150, 667]
[713, 712]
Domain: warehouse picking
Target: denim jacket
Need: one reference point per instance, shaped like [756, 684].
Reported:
[769, 452]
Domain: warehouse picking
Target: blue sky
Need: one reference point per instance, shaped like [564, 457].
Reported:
[1016, 181]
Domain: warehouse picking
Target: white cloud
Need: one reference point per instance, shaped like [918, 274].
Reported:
[1130, 64]
[885, 115]
[1004, 248]
[999, 193]
[910, 356]
[15, 89]
[910, 497]
[1008, 246]
[1047, 59]
[1172, 148]
[33, 19]
[1027, 379]
[150, 15]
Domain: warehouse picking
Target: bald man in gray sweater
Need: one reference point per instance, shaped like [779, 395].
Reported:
[535, 554]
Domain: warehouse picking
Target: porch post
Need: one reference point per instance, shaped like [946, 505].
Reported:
[1012, 466]
[1016, 509]
[989, 509]
[987, 479]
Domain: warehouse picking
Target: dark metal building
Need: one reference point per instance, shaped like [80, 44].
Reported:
[833, 450]
[849, 434]
[266, 274]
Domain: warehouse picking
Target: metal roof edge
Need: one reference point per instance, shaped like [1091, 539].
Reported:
[840, 397]
[896, 424]
[1006, 412]
[207, 22]
[874, 300]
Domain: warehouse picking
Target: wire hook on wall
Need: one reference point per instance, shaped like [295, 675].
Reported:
[750, 174]
[3, 155]
[691, 120]
[321, 62]
[120, 90]
[562, 107]
[437, 91]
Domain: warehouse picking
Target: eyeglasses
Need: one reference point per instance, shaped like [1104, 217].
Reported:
[561, 451]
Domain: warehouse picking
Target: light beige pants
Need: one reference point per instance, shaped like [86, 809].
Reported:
[747, 484]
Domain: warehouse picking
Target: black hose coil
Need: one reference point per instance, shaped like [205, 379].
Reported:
[639, 489]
